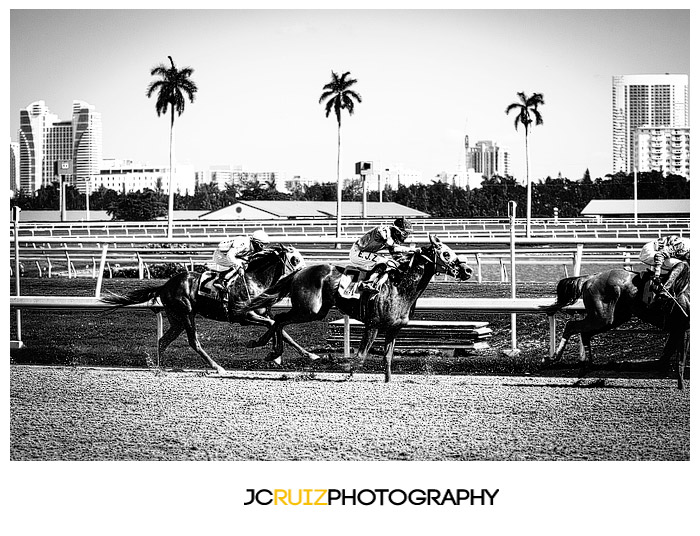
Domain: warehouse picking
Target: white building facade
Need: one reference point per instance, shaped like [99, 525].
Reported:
[653, 101]
[126, 176]
[663, 149]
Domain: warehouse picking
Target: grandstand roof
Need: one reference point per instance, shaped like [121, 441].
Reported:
[647, 207]
[55, 215]
[310, 209]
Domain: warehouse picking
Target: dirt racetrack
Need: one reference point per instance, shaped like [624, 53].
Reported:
[81, 413]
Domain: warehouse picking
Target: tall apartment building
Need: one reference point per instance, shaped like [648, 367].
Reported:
[486, 158]
[43, 140]
[14, 166]
[646, 101]
[663, 149]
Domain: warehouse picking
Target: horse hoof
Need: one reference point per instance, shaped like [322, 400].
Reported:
[274, 357]
[314, 357]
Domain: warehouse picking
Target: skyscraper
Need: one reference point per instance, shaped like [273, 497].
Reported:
[87, 143]
[14, 166]
[43, 140]
[643, 101]
[486, 158]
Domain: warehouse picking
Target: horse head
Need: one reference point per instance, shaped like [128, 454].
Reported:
[274, 254]
[293, 260]
[446, 260]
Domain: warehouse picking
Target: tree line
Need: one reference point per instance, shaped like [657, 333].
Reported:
[439, 199]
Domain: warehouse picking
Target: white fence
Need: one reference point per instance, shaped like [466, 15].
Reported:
[465, 228]
[72, 256]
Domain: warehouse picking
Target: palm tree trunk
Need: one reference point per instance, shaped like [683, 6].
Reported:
[170, 177]
[339, 190]
[529, 187]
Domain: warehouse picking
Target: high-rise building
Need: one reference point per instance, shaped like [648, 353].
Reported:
[641, 102]
[35, 121]
[663, 149]
[43, 140]
[486, 158]
[14, 166]
[87, 143]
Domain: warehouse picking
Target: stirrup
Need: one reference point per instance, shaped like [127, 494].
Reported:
[370, 288]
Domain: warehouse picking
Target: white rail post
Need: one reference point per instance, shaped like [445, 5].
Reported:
[578, 259]
[19, 343]
[512, 205]
[552, 335]
[478, 267]
[140, 262]
[100, 274]
[346, 337]
[159, 335]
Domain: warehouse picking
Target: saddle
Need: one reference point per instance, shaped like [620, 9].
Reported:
[349, 285]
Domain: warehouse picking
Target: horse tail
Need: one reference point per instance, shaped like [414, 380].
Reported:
[269, 296]
[140, 295]
[569, 291]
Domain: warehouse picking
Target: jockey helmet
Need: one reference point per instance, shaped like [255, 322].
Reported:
[260, 237]
[404, 226]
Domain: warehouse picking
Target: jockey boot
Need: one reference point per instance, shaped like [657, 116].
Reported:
[221, 282]
[373, 282]
[673, 274]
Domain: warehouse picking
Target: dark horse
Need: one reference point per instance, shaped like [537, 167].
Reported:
[182, 301]
[611, 298]
[314, 290]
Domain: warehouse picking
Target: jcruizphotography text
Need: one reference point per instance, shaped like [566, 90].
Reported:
[367, 497]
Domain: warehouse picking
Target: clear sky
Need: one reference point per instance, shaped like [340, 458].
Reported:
[426, 77]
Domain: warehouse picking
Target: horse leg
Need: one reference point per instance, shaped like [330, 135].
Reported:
[257, 319]
[193, 339]
[587, 355]
[168, 337]
[368, 337]
[677, 347]
[389, 343]
[682, 357]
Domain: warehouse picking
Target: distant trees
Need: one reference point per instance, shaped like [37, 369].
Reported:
[441, 200]
[138, 206]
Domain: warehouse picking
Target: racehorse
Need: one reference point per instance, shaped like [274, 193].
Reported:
[314, 290]
[182, 300]
[612, 297]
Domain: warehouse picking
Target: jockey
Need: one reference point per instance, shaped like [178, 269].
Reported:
[665, 256]
[364, 252]
[232, 255]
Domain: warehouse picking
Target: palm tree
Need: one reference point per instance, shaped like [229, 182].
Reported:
[338, 96]
[527, 108]
[172, 87]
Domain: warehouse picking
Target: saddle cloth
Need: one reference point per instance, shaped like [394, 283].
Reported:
[350, 280]
[206, 281]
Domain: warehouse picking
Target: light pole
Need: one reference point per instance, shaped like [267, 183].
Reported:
[635, 195]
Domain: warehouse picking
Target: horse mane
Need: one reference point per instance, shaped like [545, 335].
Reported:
[267, 257]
